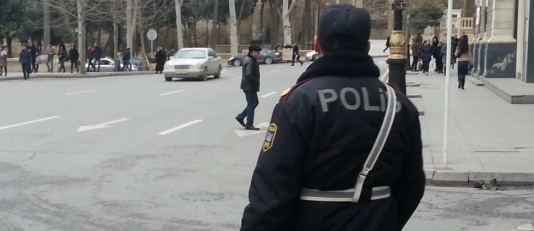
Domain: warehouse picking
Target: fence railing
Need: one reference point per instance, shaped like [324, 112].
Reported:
[458, 23]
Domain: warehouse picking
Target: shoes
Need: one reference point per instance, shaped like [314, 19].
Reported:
[252, 128]
[240, 121]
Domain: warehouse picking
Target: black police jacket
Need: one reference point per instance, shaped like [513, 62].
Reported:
[250, 74]
[319, 138]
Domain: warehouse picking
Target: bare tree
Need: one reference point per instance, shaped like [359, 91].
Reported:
[233, 28]
[214, 36]
[46, 22]
[129, 23]
[179, 26]
[286, 14]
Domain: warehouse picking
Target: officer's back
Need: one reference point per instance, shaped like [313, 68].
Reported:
[322, 132]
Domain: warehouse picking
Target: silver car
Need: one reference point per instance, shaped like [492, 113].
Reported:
[108, 65]
[196, 63]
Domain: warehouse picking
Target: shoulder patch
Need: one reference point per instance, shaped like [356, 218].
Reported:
[285, 92]
[269, 138]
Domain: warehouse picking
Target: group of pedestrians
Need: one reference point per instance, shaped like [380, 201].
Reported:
[423, 53]
[343, 150]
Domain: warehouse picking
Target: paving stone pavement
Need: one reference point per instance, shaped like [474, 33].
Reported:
[487, 137]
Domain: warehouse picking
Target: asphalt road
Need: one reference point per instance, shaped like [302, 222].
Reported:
[139, 153]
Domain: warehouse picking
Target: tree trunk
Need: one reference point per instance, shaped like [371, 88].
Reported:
[9, 42]
[239, 17]
[99, 36]
[233, 29]
[262, 8]
[166, 37]
[134, 27]
[286, 14]
[195, 31]
[179, 27]
[207, 32]
[116, 44]
[305, 28]
[129, 24]
[81, 7]
[46, 26]
[214, 36]
[143, 47]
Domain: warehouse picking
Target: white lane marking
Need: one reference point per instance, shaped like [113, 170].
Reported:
[267, 95]
[98, 126]
[172, 92]
[235, 78]
[80, 92]
[29, 122]
[179, 127]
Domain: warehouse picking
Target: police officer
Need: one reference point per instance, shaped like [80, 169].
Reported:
[343, 151]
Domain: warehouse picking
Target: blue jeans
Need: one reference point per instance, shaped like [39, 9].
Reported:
[126, 64]
[252, 103]
[463, 68]
[50, 64]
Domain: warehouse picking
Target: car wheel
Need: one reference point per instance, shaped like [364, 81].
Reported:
[218, 74]
[168, 78]
[268, 60]
[204, 75]
[314, 57]
[237, 62]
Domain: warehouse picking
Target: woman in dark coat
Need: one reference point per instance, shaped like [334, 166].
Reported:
[161, 58]
[426, 56]
[74, 55]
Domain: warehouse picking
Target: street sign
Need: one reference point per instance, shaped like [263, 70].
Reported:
[152, 34]
[259, 33]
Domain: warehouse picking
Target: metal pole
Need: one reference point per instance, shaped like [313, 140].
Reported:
[447, 81]
[151, 48]
[397, 59]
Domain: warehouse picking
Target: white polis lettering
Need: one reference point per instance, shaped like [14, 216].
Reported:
[382, 99]
[346, 95]
[366, 104]
[343, 95]
[324, 100]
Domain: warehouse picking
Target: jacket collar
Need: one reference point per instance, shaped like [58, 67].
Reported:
[345, 63]
[252, 57]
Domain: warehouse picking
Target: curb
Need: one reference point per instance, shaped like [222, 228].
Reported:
[79, 76]
[445, 177]
[475, 81]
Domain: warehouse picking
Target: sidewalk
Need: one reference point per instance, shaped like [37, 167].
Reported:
[19, 75]
[487, 137]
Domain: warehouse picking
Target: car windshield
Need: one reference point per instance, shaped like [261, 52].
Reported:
[190, 54]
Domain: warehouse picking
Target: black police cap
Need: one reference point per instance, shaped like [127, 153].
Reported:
[344, 23]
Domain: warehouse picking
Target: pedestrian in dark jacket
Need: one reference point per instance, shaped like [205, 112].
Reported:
[250, 84]
[126, 56]
[296, 55]
[161, 58]
[426, 56]
[74, 56]
[310, 176]
[63, 57]
[90, 57]
[25, 59]
[97, 55]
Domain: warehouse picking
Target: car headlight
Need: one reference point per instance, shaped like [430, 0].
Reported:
[196, 66]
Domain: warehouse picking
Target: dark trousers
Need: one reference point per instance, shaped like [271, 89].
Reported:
[74, 64]
[426, 66]
[91, 64]
[414, 63]
[297, 57]
[26, 70]
[463, 68]
[252, 103]
[62, 66]
[439, 63]
[2, 69]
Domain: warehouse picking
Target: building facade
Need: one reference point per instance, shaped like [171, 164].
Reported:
[501, 43]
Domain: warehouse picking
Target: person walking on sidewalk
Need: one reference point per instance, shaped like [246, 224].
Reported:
[62, 56]
[3, 59]
[74, 57]
[296, 55]
[50, 53]
[250, 84]
[464, 61]
[416, 51]
[343, 150]
[25, 59]
[426, 56]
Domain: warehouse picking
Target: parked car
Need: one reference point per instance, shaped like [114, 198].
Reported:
[108, 65]
[266, 56]
[196, 63]
[312, 56]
